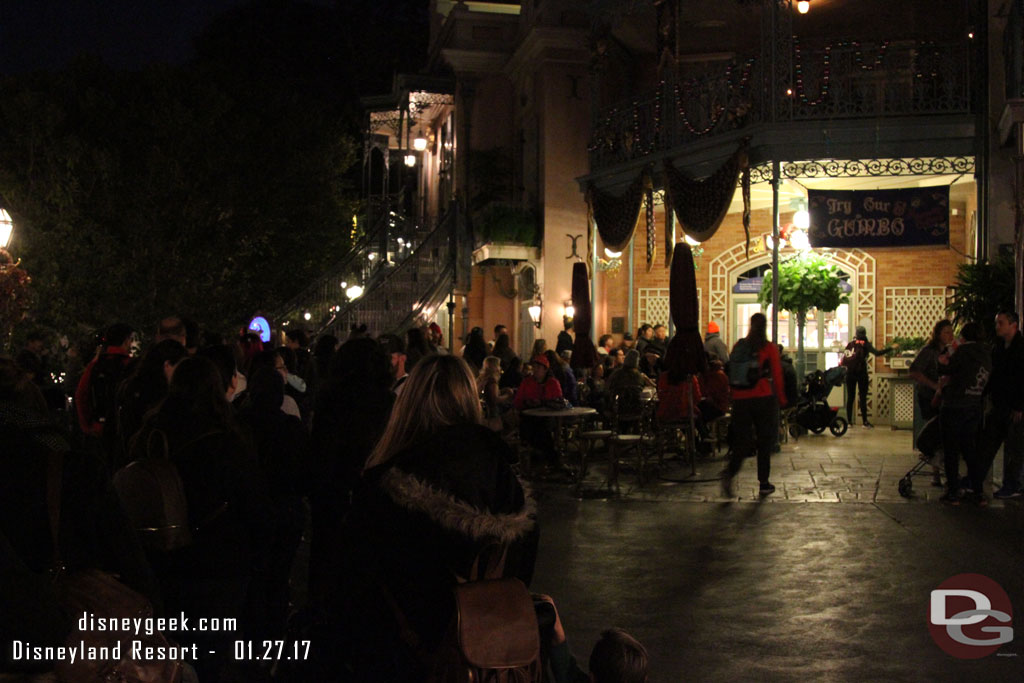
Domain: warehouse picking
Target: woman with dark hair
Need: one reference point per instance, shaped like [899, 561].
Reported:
[503, 350]
[437, 491]
[925, 373]
[416, 347]
[351, 411]
[755, 408]
[476, 349]
[227, 508]
[144, 388]
[561, 371]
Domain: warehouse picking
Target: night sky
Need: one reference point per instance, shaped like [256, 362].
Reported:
[129, 34]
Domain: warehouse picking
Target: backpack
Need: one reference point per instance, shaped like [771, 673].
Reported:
[493, 636]
[106, 376]
[855, 357]
[744, 366]
[153, 496]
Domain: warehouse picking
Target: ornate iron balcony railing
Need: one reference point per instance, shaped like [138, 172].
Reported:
[844, 80]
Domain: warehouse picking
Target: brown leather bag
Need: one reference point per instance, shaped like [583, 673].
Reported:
[100, 594]
[493, 637]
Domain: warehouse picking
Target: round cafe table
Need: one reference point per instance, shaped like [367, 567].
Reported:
[560, 415]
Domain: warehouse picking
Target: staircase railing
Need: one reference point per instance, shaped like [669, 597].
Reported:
[390, 240]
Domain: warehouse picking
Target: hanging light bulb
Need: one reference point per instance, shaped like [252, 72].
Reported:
[803, 6]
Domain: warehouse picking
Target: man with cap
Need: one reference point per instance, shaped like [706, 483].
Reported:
[394, 347]
[855, 360]
[536, 388]
[714, 345]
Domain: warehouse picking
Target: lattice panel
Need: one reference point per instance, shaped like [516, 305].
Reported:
[904, 412]
[654, 305]
[653, 308]
[913, 311]
[878, 400]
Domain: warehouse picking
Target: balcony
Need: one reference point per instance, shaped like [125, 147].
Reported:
[836, 84]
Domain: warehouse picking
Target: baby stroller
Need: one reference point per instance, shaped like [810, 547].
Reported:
[812, 412]
[928, 440]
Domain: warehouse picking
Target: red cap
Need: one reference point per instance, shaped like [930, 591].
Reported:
[542, 360]
[713, 327]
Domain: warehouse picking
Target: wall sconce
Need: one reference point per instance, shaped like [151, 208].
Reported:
[534, 310]
[570, 310]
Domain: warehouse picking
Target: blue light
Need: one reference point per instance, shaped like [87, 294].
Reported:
[259, 324]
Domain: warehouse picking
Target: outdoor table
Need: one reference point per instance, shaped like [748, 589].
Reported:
[559, 415]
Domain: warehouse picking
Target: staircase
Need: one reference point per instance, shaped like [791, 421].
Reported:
[406, 270]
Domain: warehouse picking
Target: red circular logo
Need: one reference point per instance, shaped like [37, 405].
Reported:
[970, 616]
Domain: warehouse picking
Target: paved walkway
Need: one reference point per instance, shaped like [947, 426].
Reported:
[863, 466]
[724, 590]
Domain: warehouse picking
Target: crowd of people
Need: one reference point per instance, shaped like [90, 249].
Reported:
[389, 453]
[349, 442]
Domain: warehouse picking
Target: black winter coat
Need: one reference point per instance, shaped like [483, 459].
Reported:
[417, 523]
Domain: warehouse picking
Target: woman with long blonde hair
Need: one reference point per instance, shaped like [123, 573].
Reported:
[437, 490]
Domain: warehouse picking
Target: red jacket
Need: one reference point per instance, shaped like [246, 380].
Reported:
[765, 386]
[86, 420]
[530, 390]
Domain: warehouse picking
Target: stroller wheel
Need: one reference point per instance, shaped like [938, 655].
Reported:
[906, 487]
[794, 431]
[818, 430]
[838, 426]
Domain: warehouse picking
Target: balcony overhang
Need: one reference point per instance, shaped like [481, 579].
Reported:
[903, 137]
[504, 254]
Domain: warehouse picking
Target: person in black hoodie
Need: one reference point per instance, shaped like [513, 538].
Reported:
[1005, 424]
[227, 508]
[962, 380]
[438, 489]
[282, 447]
[143, 390]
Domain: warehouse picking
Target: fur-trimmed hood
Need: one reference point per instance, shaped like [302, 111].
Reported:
[461, 480]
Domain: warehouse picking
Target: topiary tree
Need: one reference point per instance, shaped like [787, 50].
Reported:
[808, 280]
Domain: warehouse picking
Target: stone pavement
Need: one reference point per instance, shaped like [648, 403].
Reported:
[750, 589]
[863, 466]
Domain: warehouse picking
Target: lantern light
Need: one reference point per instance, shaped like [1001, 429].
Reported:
[410, 160]
[803, 6]
[534, 311]
[419, 143]
[354, 292]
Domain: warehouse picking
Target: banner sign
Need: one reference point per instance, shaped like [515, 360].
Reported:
[879, 218]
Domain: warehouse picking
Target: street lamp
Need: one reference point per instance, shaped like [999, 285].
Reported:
[6, 228]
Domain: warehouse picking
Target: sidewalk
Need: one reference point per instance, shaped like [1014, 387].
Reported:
[722, 590]
[863, 466]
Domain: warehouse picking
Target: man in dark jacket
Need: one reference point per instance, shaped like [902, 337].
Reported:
[962, 382]
[714, 345]
[1004, 426]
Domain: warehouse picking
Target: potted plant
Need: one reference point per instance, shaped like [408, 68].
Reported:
[808, 280]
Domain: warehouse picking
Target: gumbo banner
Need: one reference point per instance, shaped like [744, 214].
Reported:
[879, 218]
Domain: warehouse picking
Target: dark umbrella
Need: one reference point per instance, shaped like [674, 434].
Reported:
[584, 355]
[685, 355]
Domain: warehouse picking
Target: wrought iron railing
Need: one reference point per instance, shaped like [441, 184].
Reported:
[844, 80]
[389, 241]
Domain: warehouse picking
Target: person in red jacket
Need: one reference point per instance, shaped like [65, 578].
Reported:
[755, 409]
[96, 394]
[535, 389]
